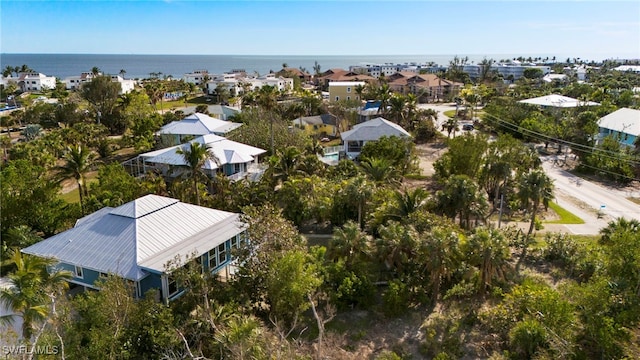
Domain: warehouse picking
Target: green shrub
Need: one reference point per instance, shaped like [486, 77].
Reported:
[396, 298]
[388, 355]
[526, 337]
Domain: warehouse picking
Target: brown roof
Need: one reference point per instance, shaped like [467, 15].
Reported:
[294, 71]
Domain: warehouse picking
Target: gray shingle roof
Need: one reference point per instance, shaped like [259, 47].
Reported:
[140, 235]
[373, 130]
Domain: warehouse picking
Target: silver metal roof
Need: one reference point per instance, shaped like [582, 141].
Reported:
[373, 130]
[150, 230]
[225, 150]
[199, 124]
[559, 101]
[623, 120]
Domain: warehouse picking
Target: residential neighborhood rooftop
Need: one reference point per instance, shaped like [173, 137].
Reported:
[139, 236]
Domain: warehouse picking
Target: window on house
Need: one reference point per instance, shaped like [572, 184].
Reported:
[173, 285]
[213, 259]
[337, 98]
[354, 146]
[348, 97]
[222, 253]
[348, 90]
[78, 272]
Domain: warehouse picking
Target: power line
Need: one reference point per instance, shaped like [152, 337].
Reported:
[585, 148]
[539, 136]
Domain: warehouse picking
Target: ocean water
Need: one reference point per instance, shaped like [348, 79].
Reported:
[141, 66]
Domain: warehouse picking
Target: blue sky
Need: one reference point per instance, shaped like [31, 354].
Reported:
[587, 29]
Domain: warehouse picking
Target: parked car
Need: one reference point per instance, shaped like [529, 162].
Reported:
[467, 127]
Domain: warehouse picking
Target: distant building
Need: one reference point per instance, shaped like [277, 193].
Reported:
[427, 87]
[558, 101]
[238, 83]
[630, 68]
[324, 124]
[197, 77]
[344, 90]
[34, 81]
[76, 82]
[340, 75]
[508, 71]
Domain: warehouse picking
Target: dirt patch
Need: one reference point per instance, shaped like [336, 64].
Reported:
[427, 155]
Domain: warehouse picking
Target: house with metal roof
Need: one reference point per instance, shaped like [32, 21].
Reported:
[233, 159]
[558, 101]
[137, 240]
[177, 132]
[372, 130]
[623, 124]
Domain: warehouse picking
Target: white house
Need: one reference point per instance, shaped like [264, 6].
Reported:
[126, 85]
[34, 81]
[76, 82]
[555, 78]
[194, 125]
[372, 130]
[197, 77]
[624, 124]
[233, 159]
[558, 101]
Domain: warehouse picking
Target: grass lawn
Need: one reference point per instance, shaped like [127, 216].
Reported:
[565, 216]
[450, 113]
[72, 197]
[634, 199]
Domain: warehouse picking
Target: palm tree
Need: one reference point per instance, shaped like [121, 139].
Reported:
[452, 126]
[440, 249]
[534, 187]
[489, 251]
[122, 72]
[397, 108]
[267, 99]
[384, 96]
[195, 157]
[285, 163]
[406, 202]
[620, 225]
[359, 191]
[349, 243]
[380, 171]
[77, 163]
[95, 71]
[32, 289]
[397, 247]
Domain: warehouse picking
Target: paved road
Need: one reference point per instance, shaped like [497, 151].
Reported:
[612, 202]
[583, 198]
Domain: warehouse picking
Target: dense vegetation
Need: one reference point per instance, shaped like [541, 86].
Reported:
[396, 252]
